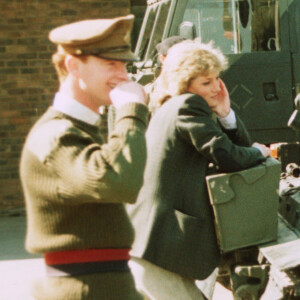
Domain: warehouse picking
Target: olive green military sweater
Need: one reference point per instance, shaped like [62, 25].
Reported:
[75, 186]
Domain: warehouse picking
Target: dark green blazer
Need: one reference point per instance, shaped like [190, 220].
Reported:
[172, 217]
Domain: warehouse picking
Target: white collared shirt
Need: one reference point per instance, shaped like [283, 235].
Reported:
[229, 122]
[75, 109]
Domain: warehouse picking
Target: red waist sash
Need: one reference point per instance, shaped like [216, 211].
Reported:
[86, 255]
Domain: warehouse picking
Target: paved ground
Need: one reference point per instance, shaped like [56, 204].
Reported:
[18, 268]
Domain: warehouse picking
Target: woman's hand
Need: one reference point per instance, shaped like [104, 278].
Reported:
[265, 151]
[222, 104]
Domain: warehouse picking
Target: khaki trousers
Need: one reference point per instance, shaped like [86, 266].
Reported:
[155, 283]
[102, 286]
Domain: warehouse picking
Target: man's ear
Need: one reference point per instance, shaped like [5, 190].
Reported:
[162, 58]
[72, 64]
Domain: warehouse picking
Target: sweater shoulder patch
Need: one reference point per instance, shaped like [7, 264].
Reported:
[44, 138]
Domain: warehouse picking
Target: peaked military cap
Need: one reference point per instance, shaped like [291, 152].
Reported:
[163, 47]
[106, 38]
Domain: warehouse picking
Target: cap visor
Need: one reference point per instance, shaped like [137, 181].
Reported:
[121, 56]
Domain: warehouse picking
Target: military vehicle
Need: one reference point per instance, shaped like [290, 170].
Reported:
[261, 39]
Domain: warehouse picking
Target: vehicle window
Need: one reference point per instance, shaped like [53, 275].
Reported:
[155, 18]
[149, 21]
[237, 26]
[158, 30]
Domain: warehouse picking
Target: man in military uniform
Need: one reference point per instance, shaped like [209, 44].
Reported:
[264, 23]
[75, 185]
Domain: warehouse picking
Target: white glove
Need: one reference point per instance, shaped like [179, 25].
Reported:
[127, 91]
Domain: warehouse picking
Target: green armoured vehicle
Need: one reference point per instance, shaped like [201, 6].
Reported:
[261, 39]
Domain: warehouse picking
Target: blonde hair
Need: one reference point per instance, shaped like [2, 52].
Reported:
[58, 59]
[184, 62]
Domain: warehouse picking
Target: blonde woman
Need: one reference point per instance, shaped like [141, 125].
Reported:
[175, 245]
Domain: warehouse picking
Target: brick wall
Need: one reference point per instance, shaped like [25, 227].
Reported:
[27, 78]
